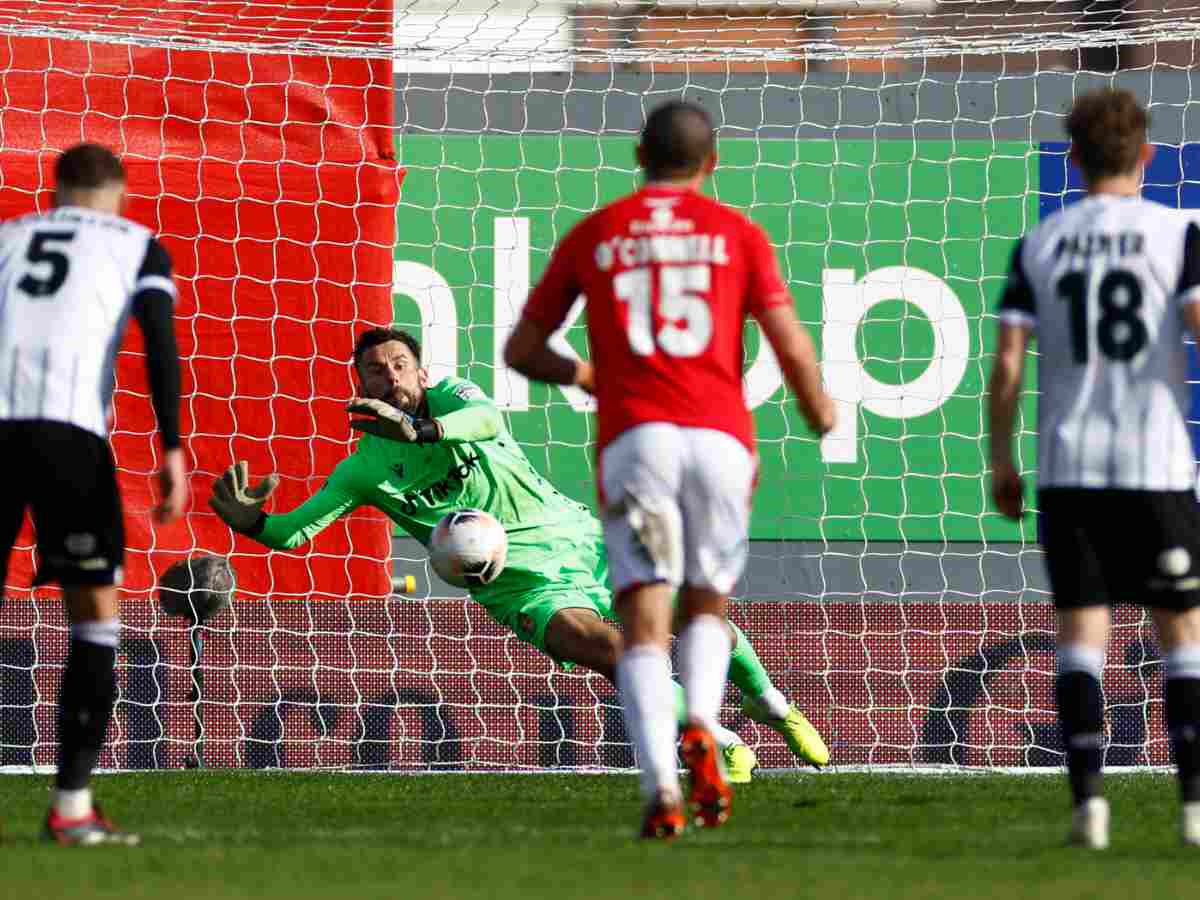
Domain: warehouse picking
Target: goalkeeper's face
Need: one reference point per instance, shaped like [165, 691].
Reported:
[391, 373]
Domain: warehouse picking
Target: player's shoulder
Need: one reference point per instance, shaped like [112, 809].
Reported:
[370, 451]
[112, 224]
[25, 220]
[457, 388]
[87, 227]
[718, 216]
[13, 229]
[1110, 214]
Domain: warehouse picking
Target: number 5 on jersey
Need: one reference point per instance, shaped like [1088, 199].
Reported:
[47, 259]
[687, 322]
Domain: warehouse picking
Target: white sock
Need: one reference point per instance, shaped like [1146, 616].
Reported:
[704, 648]
[724, 737]
[648, 700]
[777, 705]
[1190, 820]
[73, 804]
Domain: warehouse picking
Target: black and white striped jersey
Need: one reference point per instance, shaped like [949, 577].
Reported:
[69, 281]
[1103, 283]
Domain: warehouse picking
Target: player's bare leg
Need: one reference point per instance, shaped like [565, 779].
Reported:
[581, 636]
[643, 676]
[1082, 638]
[704, 647]
[1179, 633]
[85, 703]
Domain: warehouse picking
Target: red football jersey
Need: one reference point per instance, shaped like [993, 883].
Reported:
[669, 276]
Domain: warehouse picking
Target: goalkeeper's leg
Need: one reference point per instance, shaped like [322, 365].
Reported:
[580, 635]
[766, 704]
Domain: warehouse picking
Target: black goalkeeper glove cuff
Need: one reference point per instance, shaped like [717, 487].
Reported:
[429, 431]
[257, 528]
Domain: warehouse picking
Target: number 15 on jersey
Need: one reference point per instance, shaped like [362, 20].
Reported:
[687, 324]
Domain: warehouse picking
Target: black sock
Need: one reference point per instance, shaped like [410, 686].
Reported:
[1183, 723]
[85, 702]
[1081, 716]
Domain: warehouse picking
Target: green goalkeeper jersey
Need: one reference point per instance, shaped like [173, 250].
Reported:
[476, 464]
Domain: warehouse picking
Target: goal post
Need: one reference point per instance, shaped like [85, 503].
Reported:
[271, 180]
[893, 151]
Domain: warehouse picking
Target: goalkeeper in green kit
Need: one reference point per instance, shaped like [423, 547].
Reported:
[428, 450]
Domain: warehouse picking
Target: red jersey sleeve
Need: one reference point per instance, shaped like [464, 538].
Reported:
[766, 286]
[558, 288]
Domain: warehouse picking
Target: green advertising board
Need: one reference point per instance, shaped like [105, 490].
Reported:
[895, 252]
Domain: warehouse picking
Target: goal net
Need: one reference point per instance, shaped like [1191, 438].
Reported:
[318, 167]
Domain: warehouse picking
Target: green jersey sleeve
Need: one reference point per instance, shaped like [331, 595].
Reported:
[339, 496]
[467, 415]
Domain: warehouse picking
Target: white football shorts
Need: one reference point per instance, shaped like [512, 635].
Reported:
[676, 506]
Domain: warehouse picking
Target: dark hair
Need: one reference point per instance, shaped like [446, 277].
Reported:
[373, 337]
[88, 166]
[676, 140]
[1107, 129]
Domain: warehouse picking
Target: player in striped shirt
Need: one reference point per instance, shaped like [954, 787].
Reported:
[1109, 286]
[69, 281]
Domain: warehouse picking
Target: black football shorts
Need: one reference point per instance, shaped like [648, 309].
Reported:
[1106, 546]
[67, 477]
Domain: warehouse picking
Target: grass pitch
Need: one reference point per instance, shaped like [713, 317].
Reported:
[295, 836]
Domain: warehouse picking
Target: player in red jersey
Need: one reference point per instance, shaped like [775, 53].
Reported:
[670, 276]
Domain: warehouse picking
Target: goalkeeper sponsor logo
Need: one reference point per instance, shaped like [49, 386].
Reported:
[439, 491]
[467, 391]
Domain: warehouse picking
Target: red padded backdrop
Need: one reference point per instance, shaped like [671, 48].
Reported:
[272, 182]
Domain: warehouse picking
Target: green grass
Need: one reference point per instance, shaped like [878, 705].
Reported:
[271, 835]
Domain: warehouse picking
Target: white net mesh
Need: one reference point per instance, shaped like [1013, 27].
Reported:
[893, 150]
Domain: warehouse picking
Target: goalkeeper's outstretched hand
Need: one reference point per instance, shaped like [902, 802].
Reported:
[237, 503]
[385, 421]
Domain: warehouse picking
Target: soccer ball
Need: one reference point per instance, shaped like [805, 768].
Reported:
[197, 588]
[468, 548]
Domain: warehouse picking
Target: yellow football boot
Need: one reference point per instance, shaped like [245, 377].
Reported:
[740, 763]
[802, 739]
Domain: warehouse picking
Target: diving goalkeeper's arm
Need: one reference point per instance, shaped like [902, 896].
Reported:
[466, 416]
[463, 415]
[239, 504]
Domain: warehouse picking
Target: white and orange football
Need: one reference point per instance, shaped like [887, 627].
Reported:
[468, 548]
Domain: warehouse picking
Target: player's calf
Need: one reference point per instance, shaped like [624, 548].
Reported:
[1081, 716]
[85, 704]
[1183, 722]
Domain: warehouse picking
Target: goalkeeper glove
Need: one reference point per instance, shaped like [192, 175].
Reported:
[388, 422]
[237, 503]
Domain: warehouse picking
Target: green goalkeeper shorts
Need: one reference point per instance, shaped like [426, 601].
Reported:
[580, 582]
